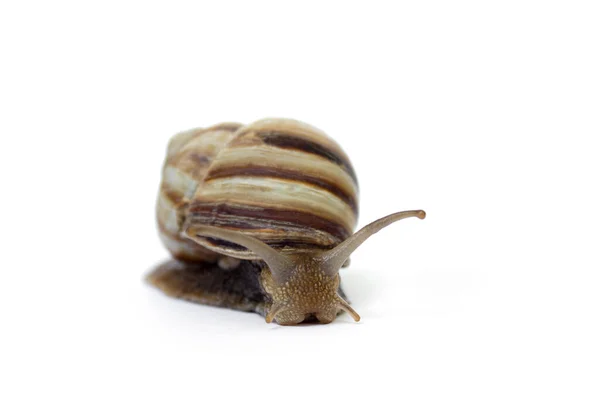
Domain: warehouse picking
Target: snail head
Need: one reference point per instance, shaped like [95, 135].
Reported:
[303, 286]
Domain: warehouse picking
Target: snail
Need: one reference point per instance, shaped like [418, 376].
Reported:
[260, 218]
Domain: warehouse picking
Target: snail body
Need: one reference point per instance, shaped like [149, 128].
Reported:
[260, 218]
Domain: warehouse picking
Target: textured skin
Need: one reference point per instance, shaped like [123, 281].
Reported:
[307, 291]
[241, 289]
[207, 283]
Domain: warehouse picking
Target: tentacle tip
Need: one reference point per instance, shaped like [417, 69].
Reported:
[421, 214]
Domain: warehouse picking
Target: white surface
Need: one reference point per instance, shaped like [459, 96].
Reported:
[485, 115]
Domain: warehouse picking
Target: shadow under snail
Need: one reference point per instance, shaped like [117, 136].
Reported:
[260, 218]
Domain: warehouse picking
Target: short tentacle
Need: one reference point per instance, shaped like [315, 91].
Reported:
[346, 307]
[275, 309]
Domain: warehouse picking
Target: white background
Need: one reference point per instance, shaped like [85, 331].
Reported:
[485, 114]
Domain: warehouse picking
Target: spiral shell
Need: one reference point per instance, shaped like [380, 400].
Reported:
[281, 181]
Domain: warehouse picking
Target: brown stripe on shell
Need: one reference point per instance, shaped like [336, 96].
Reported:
[289, 244]
[194, 164]
[186, 249]
[289, 141]
[254, 217]
[195, 155]
[280, 173]
[173, 196]
[229, 126]
[259, 193]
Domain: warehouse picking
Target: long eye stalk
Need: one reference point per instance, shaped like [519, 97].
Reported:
[333, 259]
[279, 264]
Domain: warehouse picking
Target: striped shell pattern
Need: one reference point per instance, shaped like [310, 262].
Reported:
[281, 181]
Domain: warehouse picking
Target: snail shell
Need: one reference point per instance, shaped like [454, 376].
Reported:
[281, 181]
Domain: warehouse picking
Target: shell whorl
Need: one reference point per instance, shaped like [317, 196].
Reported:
[278, 180]
[189, 157]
